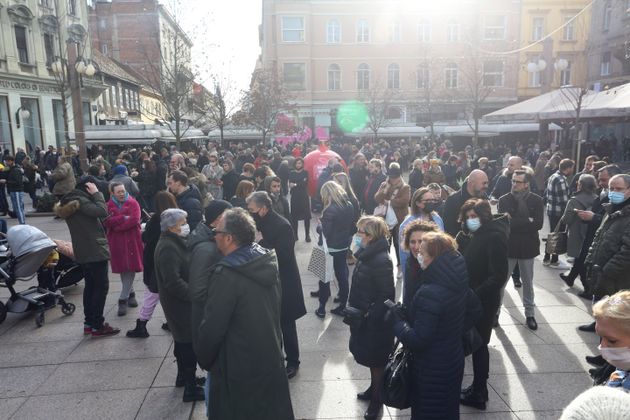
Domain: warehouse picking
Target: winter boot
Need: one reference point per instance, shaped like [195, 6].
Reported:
[192, 391]
[474, 396]
[122, 307]
[132, 301]
[140, 331]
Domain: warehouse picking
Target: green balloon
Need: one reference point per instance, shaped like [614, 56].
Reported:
[352, 116]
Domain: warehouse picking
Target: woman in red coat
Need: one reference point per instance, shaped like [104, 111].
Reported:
[125, 242]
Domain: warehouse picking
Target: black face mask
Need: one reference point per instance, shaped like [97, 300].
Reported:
[431, 206]
[256, 217]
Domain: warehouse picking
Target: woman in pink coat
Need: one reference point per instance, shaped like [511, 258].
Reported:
[125, 242]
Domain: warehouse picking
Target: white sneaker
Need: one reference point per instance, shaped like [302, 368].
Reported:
[560, 265]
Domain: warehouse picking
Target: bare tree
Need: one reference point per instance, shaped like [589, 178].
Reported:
[429, 83]
[378, 101]
[266, 99]
[221, 105]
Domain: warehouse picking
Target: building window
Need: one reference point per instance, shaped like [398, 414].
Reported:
[493, 73]
[565, 75]
[334, 77]
[534, 79]
[104, 49]
[394, 113]
[292, 29]
[607, 17]
[32, 125]
[568, 33]
[294, 75]
[494, 27]
[363, 31]
[422, 76]
[333, 32]
[538, 28]
[72, 7]
[394, 32]
[452, 32]
[102, 23]
[45, 3]
[393, 76]
[5, 125]
[49, 49]
[363, 77]
[605, 66]
[424, 31]
[450, 76]
[21, 43]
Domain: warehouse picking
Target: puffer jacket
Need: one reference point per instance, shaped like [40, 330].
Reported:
[609, 256]
[337, 225]
[372, 284]
[190, 202]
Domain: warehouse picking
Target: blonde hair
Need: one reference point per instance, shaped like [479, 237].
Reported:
[332, 192]
[343, 180]
[438, 243]
[374, 226]
[616, 307]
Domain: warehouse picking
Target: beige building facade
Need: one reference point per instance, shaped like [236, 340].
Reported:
[432, 59]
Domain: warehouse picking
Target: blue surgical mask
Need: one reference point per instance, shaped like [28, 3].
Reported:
[616, 197]
[473, 224]
[358, 243]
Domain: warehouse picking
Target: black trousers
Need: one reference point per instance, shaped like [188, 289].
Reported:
[481, 367]
[186, 358]
[307, 226]
[95, 292]
[291, 346]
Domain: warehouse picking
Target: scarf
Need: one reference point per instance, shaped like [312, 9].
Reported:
[119, 204]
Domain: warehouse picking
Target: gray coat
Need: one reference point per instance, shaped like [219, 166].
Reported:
[575, 226]
[171, 273]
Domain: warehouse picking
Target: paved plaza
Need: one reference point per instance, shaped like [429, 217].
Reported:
[54, 372]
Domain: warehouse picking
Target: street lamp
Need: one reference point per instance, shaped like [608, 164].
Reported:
[21, 112]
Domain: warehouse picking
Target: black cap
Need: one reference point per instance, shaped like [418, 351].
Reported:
[214, 210]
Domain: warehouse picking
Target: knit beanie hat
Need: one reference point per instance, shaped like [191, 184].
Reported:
[119, 170]
[215, 208]
[600, 402]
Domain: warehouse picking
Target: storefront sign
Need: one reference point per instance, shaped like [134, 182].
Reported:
[27, 86]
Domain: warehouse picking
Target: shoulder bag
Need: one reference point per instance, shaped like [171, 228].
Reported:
[556, 241]
[397, 382]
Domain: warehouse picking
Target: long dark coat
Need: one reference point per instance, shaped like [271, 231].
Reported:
[486, 254]
[300, 201]
[434, 334]
[171, 273]
[230, 182]
[372, 284]
[240, 339]
[278, 234]
[524, 242]
[150, 238]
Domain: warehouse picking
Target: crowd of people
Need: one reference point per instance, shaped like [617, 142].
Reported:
[213, 232]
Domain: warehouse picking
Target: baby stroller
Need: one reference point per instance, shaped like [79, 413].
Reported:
[28, 249]
[63, 274]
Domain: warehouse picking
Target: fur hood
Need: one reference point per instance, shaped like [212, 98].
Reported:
[64, 211]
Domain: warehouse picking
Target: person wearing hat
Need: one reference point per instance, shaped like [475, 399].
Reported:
[121, 176]
[63, 177]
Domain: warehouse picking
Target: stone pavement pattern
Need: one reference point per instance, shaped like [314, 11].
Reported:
[54, 372]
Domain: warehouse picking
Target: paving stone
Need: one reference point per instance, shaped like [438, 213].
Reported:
[329, 365]
[565, 334]
[13, 355]
[23, 381]
[101, 405]
[539, 415]
[168, 371]
[8, 406]
[120, 347]
[101, 375]
[540, 391]
[165, 404]
[26, 332]
[328, 399]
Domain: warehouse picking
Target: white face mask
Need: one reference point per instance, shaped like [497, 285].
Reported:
[184, 230]
[619, 357]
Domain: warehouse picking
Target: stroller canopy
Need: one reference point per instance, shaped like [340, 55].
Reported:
[25, 239]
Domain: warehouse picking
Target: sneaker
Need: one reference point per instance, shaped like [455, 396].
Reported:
[87, 330]
[560, 265]
[122, 307]
[105, 331]
[546, 263]
[320, 312]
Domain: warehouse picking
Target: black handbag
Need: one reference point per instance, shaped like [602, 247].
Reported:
[354, 317]
[397, 383]
[472, 341]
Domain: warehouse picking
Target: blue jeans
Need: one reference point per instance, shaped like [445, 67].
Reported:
[18, 206]
[206, 390]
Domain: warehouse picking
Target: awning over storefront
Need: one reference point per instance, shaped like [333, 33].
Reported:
[462, 129]
[135, 134]
[392, 132]
[237, 134]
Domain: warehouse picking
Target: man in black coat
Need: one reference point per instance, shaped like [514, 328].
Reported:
[475, 186]
[277, 234]
[526, 212]
[188, 197]
[375, 179]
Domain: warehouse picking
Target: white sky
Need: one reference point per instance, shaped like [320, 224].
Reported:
[225, 36]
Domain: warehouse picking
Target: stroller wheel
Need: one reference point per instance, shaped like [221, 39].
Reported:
[68, 308]
[3, 312]
[40, 319]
